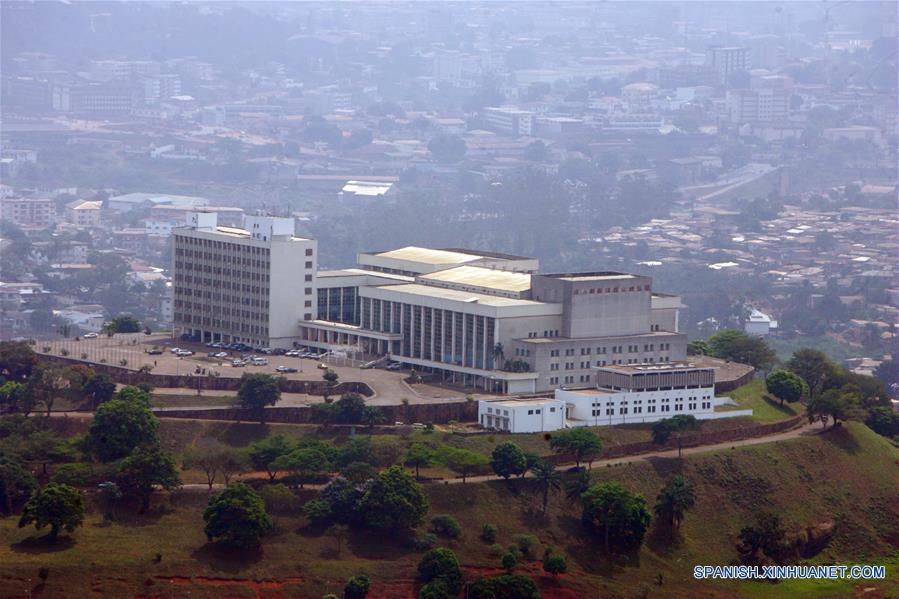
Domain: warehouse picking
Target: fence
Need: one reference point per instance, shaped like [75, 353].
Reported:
[437, 413]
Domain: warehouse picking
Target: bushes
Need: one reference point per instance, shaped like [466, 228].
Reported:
[279, 500]
[446, 525]
[79, 474]
[488, 532]
[508, 586]
[424, 541]
[527, 544]
[441, 565]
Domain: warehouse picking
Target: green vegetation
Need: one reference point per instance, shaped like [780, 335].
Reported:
[58, 506]
[764, 409]
[258, 391]
[236, 517]
[786, 386]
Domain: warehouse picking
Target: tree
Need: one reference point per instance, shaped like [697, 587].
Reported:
[815, 368]
[737, 346]
[786, 386]
[58, 506]
[418, 456]
[833, 403]
[883, 421]
[46, 383]
[461, 461]
[765, 535]
[507, 586]
[208, 455]
[14, 399]
[17, 360]
[264, 454]
[676, 497]
[698, 347]
[509, 560]
[307, 463]
[448, 149]
[555, 564]
[446, 525]
[620, 515]
[135, 394]
[258, 391]
[676, 426]
[508, 460]
[147, 467]
[124, 323]
[16, 482]
[393, 502]
[99, 389]
[583, 443]
[357, 587]
[350, 408]
[45, 446]
[546, 478]
[236, 517]
[339, 532]
[120, 426]
[441, 564]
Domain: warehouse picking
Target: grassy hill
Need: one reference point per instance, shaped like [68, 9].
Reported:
[847, 476]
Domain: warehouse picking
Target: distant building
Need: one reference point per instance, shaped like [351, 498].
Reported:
[130, 201]
[84, 213]
[758, 105]
[726, 60]
[507, 119]
[759, 324]
[28, 212]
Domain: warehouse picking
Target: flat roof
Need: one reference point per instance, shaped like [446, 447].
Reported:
[589, 391]
[351, 272]
[483, 277]
[590, 276]
[511, 403]
[652, 367]
[459, 296]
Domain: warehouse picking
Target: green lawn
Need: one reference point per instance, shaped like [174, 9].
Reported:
[834, 348]
[764, 407]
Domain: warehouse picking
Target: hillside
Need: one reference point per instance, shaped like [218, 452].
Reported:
[848, 476]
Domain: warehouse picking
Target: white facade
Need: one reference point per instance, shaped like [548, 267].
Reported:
[250, 285]
[759, 324]
[522, 415]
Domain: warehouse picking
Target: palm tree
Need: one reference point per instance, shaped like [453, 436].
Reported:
[499, 353]
[546, 478]
[675, 498]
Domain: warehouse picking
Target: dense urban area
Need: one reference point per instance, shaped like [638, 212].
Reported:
[494, 300]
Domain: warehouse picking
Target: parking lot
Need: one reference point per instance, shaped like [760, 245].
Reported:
[136, 350]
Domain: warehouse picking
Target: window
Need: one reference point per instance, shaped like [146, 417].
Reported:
[308, 251]
[308, 264]
[308, 278]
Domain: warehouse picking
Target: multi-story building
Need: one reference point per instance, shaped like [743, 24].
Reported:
[28, 212]
[84, 213]
[487, 320]
[251, 285]
[726, 60]
[767, 105]
[507, 119]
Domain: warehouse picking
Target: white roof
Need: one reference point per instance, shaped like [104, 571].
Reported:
[366, 188]
[428, 256]
[459, 296]
[477, 276]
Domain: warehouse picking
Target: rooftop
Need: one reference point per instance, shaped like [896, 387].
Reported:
[483, 277]
[459, 296]
[590, 276]
[427, 255]
[652, 367]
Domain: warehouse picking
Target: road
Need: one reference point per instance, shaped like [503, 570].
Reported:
[804, 430]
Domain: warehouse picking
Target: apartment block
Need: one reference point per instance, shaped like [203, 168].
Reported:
[28, 212]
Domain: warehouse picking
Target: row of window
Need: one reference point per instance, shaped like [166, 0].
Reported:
[601, 290]
[623, 411]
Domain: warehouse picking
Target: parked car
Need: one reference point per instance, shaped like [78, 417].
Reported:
[91, 335]
[279, 351]
[175, 350]
[259, 361]
[293, 353]
[286, 369]
[183, 353]
[238, 363]
[155, 352]
[322, 366]
[394, 366]
[221, 354]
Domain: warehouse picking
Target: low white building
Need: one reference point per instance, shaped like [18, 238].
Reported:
[759, 324]
[522, 415]
[623, 394]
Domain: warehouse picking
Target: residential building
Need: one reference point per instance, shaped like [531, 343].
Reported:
[759, 324]
[28, 212]
[758, 105]
[251, 285]
[726, 60]
[508, 119]
[522, 415]
[84, 213]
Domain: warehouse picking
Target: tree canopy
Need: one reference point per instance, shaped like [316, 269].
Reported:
[786, 386]
[394, 501]
[616, 513]
[119, 426]
[58, 506]
[508, 460]
[236, 517]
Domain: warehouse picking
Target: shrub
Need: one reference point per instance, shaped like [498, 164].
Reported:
[507, 586]
[424, 541]
[436, 589]
[496, 550]
[279, 499]
[63, 352]
[446, 525]
[509, 561]
[441, 564]
[555, 564]
[357, 587]
[526, 543]
[488, 532]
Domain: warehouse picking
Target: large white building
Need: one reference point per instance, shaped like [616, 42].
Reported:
[489, 320]
[250, 285]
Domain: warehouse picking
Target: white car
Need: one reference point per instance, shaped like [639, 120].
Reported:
[91, 335]
[183, 353]
[221, 354]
